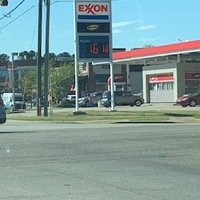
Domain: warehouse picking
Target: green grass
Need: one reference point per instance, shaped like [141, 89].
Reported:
[102, 116]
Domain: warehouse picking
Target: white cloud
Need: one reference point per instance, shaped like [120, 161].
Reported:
[117, 31]
[145, 27]
[124, 23]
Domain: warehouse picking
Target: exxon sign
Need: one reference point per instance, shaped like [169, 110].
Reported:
[93, 10]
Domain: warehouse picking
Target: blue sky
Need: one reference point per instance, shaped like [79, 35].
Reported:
[135, 23]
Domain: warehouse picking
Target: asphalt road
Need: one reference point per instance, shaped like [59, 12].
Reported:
[52, 161]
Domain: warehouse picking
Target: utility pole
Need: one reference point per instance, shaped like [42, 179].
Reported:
[39, 59]
[46, 81]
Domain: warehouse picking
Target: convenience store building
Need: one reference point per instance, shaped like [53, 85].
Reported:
[168, 71]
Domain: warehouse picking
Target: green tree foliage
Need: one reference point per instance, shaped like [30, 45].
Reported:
[60, 80]
[52, 56]
[64, 54]
[148, 45]
[31, 55]
[28, 82]
[4, 58]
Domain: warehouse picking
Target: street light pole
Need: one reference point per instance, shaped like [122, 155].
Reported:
[13, 80]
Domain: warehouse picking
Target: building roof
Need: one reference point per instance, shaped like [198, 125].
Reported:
[157, 51]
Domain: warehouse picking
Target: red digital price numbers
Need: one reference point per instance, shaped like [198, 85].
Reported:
[99, 48]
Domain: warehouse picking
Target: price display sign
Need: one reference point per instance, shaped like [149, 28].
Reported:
[94, 47]
[93, 30]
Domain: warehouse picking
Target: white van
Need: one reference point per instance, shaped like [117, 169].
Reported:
[9, 100]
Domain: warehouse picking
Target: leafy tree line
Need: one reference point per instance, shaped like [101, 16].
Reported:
[60, 80]
[31, 55]
[60, 77]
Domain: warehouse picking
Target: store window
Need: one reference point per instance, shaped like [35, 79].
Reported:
[161, 82]
[192, 82]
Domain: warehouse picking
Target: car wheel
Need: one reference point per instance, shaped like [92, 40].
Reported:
[106, 105]
[109, 104]
[87, 103]
[138, 103]
[193, 103]
[184, 105]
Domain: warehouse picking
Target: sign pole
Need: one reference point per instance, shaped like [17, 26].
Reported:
[77, 111]
[76, 84]
[112, 87]
[76, 63]
[111, 67]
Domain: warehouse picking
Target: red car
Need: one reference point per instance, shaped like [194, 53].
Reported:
[191, 99]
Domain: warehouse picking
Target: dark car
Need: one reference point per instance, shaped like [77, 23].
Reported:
[68, 101]
[191, 99]
[121, 98]
[2, 112]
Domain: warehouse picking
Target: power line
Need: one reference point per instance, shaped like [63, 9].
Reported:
[9, 13]
[17, 17]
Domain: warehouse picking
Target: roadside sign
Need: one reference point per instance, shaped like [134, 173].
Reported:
[93, 31]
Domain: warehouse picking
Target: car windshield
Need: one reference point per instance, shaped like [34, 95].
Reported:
[94, 94]
[18, 98]
[105, 94]
[195, 93]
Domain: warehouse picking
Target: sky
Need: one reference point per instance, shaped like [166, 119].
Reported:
[135, 23]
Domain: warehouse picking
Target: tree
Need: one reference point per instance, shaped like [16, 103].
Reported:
[28, 82]
[148, 45]
[61, 79]
[4, 58]
[52, 56]
[64, 54]
[31, 55]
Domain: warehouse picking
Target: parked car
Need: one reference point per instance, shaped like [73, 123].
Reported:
[90, 100]
[2, 112]
[95, 97]
[71, 98]
[9, 99]
[85, 102]
[68, 101]
[34, 101]
[191, 99]
[121, 98]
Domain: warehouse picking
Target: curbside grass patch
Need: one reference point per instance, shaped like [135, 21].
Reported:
[102, 116]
